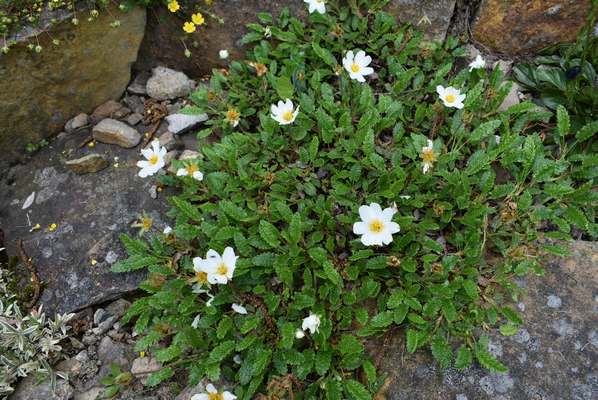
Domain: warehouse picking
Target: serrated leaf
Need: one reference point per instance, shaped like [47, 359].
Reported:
[349, 344]
[471, 288]
[488, 361]
[186, 208]
[563, 123]
[412, 338]
[464, 357]
[222, 351]
[322, 361]
[484, 130]
[133, 246]
[356, 390]
[284, 87]
[133, 263]
[587, 131]
[233, 210]
[159, 376]
[441, 351]
[295, 229]
[323, 54]
[269, 233]
[331, 273]
[508, 329]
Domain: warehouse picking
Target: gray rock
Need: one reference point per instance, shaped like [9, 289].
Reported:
[169, 141]
[118, 308]
[433, 17]
[138, 84]
[111, 131]
[135, 103]
[143, 366]
[104, 326]
[79, 121]
[98, 316]
[504, 65]
[87, 164]
[166, 83]
[189, 155]
[71, 366]
[511, 99]
[30, 389]
[554, 301]
[110, 109]
[134, 119]
[111, 352]
[180, 123]
[95, 393]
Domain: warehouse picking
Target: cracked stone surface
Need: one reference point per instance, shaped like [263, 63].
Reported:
[90, 212]
[554, 356]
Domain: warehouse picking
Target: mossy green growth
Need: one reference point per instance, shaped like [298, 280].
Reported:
[285, 198]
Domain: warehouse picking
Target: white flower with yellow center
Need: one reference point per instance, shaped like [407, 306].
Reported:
[213, 394]
[428, 156]
[190, 170]
[357, 65]
[154, 159]
[316, 5]
[477, 63]
[450, 96]
[284, 112]
[376, 226]
[311, 323]
[216, 269]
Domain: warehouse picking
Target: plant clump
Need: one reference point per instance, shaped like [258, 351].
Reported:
[356, 178]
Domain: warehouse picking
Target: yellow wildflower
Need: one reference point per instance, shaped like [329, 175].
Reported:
[173, 6]
[198, 19]
[189, 27]
[52, 228]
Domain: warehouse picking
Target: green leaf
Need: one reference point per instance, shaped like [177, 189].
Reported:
[323, 54]
[370, 371]
[331, 273]
[133, 263]
[449, 311]
[464, 357]
[349, 344]
[133, 246]
[471, 288]
[295, 229]
[269, 233]
[412, 338]
[508, 329]
[221, 351]
[186, 208]
[284, 87]
[356, 390]
[587, 131]
[563, 123]
[233, 210]
[322, 361]
[488, 361]
[484, 130]
[159, 376]
[168, 353]
[441, 351]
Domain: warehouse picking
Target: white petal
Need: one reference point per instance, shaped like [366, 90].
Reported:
[167, 230]
[321, 7]
[425, 168]
[349, 56]
[210, 388]
[393, 227]
[386, 238]
[202, 396]
[375, 209]
[197, 175]
[228, 396]
[388, 213]
[360, 228]
[360, 58]
[239, 309]
[147, 153]
[182, 172]
[229, 257]
[365, 213]
[440, 90]
[299, 334]
[367, 70]
[28, 201]
[213, 254]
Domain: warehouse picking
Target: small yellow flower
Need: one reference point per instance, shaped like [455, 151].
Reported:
[198, 19]
[52, 228]
[94, 261]
[173, 6]
[144, 223]
[91, 144]
[260, 69]
[189, 27]
[232, 116]
[36, 227]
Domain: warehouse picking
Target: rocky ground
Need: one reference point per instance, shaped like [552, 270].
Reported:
[73, 198]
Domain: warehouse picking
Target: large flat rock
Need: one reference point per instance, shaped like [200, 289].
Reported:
[41, 91]
[523, 26]
[90, 212]
[553, 357]
[433, 17]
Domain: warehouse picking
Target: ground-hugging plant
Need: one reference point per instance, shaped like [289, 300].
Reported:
[291, 284]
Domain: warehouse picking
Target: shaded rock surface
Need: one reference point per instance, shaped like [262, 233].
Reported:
[433, 17]
[554, 356]
[111, 131]
[523, 26]
[91, 65]
[165, 84]
[90, 212]
[87, 164]
[30, 389]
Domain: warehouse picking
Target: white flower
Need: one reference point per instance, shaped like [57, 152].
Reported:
[311, 324]
[428, 156]
[357, 65]
[316, 5]
[239, 309]
[213, 394]
[299, 334]
[450, 96]
[376, 226]
[217, 269]
[167, 230]
[154, 159]
[477, 63]
[223, 54]
[190, 170]
[497, 139]
[284, 113]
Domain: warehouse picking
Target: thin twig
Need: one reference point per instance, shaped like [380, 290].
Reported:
[32, 271]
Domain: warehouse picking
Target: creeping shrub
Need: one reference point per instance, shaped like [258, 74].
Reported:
[497, 190]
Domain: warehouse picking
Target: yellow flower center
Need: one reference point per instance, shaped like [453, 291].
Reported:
[191, 169]
[222, 269]
[450, 98]
[428, 156]
[201, 277]
[355, 67]
[232, 115]
[376, 226]
[154, 159]
[146, 223]
[287, 116]
[215, 396]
